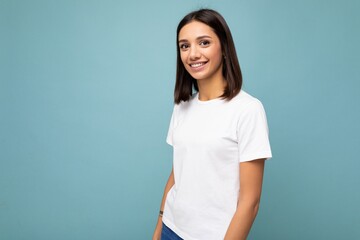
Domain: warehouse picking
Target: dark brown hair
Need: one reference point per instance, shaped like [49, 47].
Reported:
[185, 83]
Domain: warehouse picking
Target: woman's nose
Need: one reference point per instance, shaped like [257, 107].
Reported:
[194, 53]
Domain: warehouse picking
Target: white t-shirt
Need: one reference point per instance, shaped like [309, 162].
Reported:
[209, 139]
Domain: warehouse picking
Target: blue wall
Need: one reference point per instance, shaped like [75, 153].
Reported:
[85, 103]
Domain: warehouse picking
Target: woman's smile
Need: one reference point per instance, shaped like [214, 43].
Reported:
[198, 66]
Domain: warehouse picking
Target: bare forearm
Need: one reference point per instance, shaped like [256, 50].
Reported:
[168, 186]
[242, 221]
[251, 175]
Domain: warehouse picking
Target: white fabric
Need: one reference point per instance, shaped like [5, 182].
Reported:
[209, 139]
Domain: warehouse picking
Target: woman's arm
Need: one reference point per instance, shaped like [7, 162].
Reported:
[169, 184]
[251, 176]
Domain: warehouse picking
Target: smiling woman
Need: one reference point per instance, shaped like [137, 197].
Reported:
[219, 136]
[210, 30]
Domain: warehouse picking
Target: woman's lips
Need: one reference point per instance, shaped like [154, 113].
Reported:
[197, 66]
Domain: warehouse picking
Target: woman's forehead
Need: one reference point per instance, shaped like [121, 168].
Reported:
[194, 30]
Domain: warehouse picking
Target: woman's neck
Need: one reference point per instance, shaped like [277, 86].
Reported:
[211, 88]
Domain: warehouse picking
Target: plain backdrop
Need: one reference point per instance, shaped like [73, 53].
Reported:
[86, 98]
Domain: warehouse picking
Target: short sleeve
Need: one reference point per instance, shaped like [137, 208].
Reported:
[169, 138]
[253, 133]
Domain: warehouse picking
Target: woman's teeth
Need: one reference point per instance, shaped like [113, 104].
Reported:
[197, 64]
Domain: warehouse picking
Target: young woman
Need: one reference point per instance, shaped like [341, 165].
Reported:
[219, 136]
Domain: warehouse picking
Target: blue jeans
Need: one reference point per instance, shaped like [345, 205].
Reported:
[168, 234]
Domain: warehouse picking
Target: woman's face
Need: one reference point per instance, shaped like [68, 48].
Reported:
[200, 51]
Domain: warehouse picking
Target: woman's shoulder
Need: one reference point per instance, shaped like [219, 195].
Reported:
[248, 107]
[243, 99]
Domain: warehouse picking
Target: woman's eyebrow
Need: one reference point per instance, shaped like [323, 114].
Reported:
[200, 37]
[203, 36]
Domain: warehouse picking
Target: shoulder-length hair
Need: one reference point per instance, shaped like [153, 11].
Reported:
[185, 83]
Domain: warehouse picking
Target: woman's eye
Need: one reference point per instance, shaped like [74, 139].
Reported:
[204, 43]
[184, 46]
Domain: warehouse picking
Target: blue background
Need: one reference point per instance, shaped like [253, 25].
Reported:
[86, 97]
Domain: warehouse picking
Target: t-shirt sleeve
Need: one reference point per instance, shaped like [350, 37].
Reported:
[253, 133]
[169, 138]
